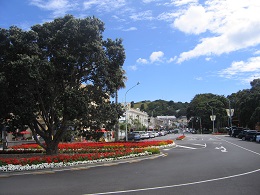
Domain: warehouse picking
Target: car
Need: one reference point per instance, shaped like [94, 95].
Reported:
[156, 134]
[250, 136]
[242, 134]
[236, 131]
[151, 134]
[257, 139]
[144, 135]
[255, 135]
[133, 136]
[162, 133]
[193, 131]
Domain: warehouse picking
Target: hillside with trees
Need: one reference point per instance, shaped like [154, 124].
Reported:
[246, 104]
[162, 108]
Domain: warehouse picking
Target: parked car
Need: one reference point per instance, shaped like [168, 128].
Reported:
[151, 134]
[257, 139]
[242, 134]
[193, 131]
[162, 133]
[133, 137]
[236, 131]
[156, 134]
[255, 135]
[230, 130]
[144, 135]
[175, 131]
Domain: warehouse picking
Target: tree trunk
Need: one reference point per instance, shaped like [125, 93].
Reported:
[52, 147]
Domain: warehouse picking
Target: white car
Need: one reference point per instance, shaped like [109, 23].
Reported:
[156, 134]
[257, 138]
[151, 134]
[144, 135]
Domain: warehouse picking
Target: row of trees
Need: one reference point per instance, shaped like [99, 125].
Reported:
[62, 73]
[246, 105]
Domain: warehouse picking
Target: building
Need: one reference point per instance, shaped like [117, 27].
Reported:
[133, 115]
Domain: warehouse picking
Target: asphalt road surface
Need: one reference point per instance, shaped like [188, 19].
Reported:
[198, 165]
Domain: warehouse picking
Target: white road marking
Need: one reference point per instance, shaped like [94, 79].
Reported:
[179, 146]
[241, 147]
[204, 145]
[192, 148]
[178, 185]
[222, 149]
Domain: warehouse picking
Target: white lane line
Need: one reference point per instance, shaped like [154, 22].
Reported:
[178, 185]
[179, 146]
[204, 145]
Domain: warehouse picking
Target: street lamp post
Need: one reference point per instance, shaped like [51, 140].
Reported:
[126, 138]
[213, 118]
[230, 113]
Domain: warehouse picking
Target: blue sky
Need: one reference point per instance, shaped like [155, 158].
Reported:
[174, 48]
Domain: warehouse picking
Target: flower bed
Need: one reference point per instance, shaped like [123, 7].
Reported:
[180, 137]
[79, 153]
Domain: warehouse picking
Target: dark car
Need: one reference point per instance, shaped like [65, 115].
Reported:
[236, 131]
[243, 133]
[251, 136]
[134, 137]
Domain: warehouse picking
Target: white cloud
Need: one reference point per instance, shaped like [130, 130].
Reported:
[142, 61]
[167, 16]
[104, 5]
[59, 7]
[149, 1]
[242, 70]
[172, 59]
[183, 2]
[194, 21]
[156, 56]
[257, 52]
[130, 29]
[145, 15]
[199, 78]
[134, 67]
[233, 24]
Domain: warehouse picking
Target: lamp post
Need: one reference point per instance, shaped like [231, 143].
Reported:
[212, 117]
[126, 138]
[198, 117]
[230, 113]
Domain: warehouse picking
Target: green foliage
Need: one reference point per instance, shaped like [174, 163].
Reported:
[162, 108]
[60, 72]
[153, 150]
[201, 106]
[247, 105]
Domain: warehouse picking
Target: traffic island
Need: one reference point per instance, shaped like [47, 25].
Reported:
[180, 137]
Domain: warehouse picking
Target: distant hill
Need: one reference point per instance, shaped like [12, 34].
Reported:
[162, 107]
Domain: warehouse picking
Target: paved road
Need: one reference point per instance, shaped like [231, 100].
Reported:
[200, 164]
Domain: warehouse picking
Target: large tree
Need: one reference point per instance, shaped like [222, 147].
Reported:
[201, 107]
[60, 72]
[247, 105]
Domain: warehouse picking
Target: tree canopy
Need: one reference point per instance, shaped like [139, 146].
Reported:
[247, 105]
[202, 106]
[61, 72]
